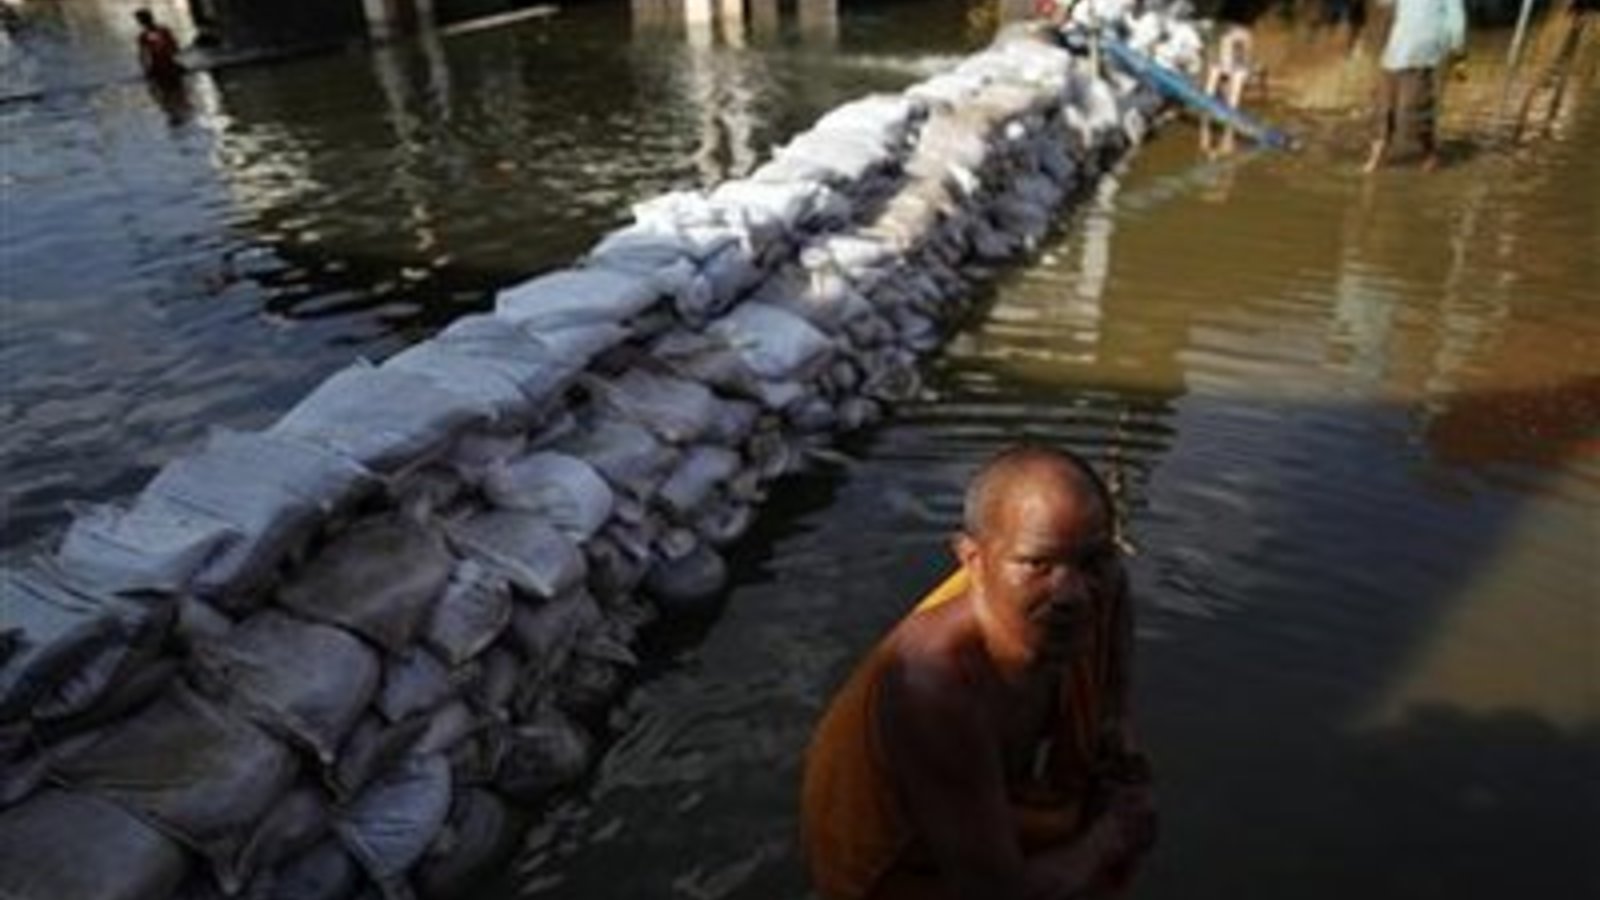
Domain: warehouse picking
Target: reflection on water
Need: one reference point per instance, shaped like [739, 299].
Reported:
[1356, 423]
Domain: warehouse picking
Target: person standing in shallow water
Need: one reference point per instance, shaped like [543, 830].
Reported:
[1423, 36]
[158, 49]
[983, 748]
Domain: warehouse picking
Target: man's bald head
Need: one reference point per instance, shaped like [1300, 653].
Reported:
[1019, 468]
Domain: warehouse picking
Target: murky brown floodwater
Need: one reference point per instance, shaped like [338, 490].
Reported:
[1357, 422]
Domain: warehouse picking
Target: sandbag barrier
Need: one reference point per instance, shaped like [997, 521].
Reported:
[334, 657]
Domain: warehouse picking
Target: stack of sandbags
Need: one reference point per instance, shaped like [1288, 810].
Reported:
[339, 655]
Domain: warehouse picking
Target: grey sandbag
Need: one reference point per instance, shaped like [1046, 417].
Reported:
[379, 579]
[704, 468]
[474, 608]
[548, 752]
[63, 845]
[675, 409]
[562, 488]
[384, 419]
[477, 837]
[522, 546]
[199, 774]
[774, 344]
[627, 454]
[270, 490]
[153, 547]
[710, 359]
[107, 690]
[415, 683]
[389, 827]
[575, 297]
[689, 584]
[502, 672]
[295, 824]
[305, 681]
[325, 872]
[481, 353]
[55, 631]
[546, 634]
[372, 747]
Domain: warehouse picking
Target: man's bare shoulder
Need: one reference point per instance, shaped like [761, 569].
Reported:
[931, 655]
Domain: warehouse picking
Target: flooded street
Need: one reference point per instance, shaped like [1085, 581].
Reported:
[1355, 423]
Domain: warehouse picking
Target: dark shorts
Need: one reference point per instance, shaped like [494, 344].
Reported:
[1407, 107]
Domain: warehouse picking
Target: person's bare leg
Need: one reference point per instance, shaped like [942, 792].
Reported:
[1375, 158]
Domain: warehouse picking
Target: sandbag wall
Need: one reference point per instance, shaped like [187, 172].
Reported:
[333, 657]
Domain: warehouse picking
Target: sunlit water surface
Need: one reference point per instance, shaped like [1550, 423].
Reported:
[1355, 422]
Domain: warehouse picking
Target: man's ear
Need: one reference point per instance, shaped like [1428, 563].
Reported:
[964, 547]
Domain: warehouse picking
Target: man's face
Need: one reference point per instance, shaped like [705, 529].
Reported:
[1044, 557]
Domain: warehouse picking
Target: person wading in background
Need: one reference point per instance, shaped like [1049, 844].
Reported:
[1423, 35]
[983, 748]
[158, 49]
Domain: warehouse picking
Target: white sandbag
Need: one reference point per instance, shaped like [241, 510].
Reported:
[771, 211]
[52, 631]
[261, 670]
[886, 119]
[379, 579]
[489, 388]
[676, 410]
[575, 297]
[389, 827]
[676, 210]
[774, 344]
[413, 684]
[522, 546]
[474, 608]
[64, 845]
[628, 455]
[704, 468]
[384, 419]
[181, 762]
[709, 359]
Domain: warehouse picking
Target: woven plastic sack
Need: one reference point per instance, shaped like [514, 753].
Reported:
[294, 825]
[379, 579]
[704, 468]
[182, 763]
[390, 825]
[63, 845]
[325, 872]
[521, 546]
[564, 489]
[774, 344]
[54, 631]
[627, 454]
[152, 548]
[575, 297]
[305, 681]
[414, 684]
[676, 410]
[383, 418]
[473, 610]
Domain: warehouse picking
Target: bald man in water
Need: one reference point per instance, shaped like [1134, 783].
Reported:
[982, 749]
